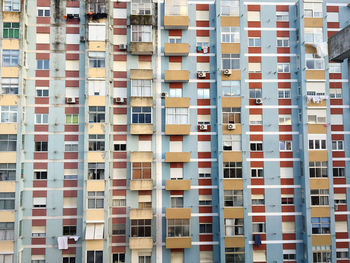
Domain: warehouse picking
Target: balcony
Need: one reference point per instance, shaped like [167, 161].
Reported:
[138, 129]
[140, 243]
[141, 19]
[178, 213]
[177, 102]
[179, 49]
[141, 185]
[176, 22]
[141, 48]
[177, 129]
[234, 241]
[313, 22]
[177, 185]
[177, 157]
[140, 213]
[141, 73]
[141, 157]
[176, 76]
[178, 242]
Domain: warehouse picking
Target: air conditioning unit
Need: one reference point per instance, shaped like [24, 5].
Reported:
[119, 100]
[71, 100]
[164, 94]
[227, 72]
[123, 47]
[258, 101]
[202, 74]
[82, 38]
[76, 15]
[203, 127]
[231, 126]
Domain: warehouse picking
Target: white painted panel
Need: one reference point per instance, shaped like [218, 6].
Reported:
[120, 119]
[341, 226]
[176, 173]
[90, 231]
[286, 172]
[97, 87]
[43, 38]
[73, 39]
[175, 146]
[204, 146]
[288, 227]
[99, 231]
[72, 65]
[120, 13]
[120, 92]
[203, 67]
[70, 202]
[97, 32]
[253, 16]
[119, 173]
[202, 15]
[177, 257]
[145, 146]
[259, 255]
[72, 92]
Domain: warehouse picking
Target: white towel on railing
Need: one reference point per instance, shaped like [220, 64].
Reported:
[62, 242]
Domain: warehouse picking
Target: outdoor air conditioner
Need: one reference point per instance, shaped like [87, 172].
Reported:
[123, 47]
[202, 74]
[231, 126]
[71, 100]
[203, 127]
[227, 72]
[258, 101]
[164, 94]
[119, 100]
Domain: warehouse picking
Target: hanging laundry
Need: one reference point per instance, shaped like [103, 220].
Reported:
[62, 242]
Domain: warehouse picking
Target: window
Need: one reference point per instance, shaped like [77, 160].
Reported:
[313, 9]
[68, 259]
[141, 171]
[141, 7]
[8, 114]
[7, 231]
[119, 201]
[234, 254]
[334, 67]
[9, 85]
[10, 58]
[206, 257]
[342, 255]
[6, 258]
[232, 170]
[39, 202]
[41, 118]
[69, 230]
[285, 145]
[256, 146]
[141, 114]
[205, 200]
[94, 256]
[176, 201]
[8, 142]
[255, 93]
[96, 114]
[230, 35]
[314, 35]
[175, 39]
[317, 144]
[141, 88]
[336, 119]
[332, 17]
[43, 64]
[316, 116]
[229, 8]
[289, 256]
[40, 175]
[141, 228]
[231, 88]
[120, 147]
[282, 42]
[314, 62]
[254, 42]
[38, 261]
[7, 171]
[233, 198]
[338, 171]
[97, 59]
[144, 258]
[141, 33]
[284, 93]
[282, 16]
[320, 225]
[337, 145]
[118, 229]
[175, 8]
[335, 93]
[257, 172]
[95, 200]
[11, 30]
[96, 171]
[177, 116]
[255, 119]
[231, 115]
[231, 142]
[44, 11]
[205, 228]
[258, 199]
[203, 93]
[204, 172]
[321, 257]
[284, 119]
[40, 146]
[283, 67]
[234, 227]
[318, 169]
[11, 5]
[42, 92]
[119, 258]
[7, 201]
[178, 227]
[230, 61]
[72, 118]
[96, 142]
[175, 92]
[258, 227]
[319, 196]
[97, 7]
[287, 199]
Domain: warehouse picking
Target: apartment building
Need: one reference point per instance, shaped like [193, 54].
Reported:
[173, 131]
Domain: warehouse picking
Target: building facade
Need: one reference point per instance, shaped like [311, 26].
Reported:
[173, 131]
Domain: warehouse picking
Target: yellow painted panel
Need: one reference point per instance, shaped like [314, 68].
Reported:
[11, 16]
[177, 157]
[6, 246]
[236, 75]
[177, 185]
[230, 21]
[313, 22]
[8, 128]
[233, 184]
[141, 101]
[176, 49]
[141, 74]
[234, 241]
[97, 46]
[317, 129]
[318, 156]
[176, 75]
[8, 157]
[97, 73]
[95, 215]
[141, 128]
[141, 185]
[141, 213]
[178, 242]
[315, 74]
[8, 100]
[238, 129]
[140, 243]
[233, 212]
[10, 44]
[141, 48]
[143, 157]
[175, 22]
[7, 216]
[94, 244]
[8, 186]
[320, 104]
[177, 102]
[233, 102]
[320, 211]
[97, 100]
[177, 129]
[232, 156]
[178, 213]
[321, 240]
[95, 185]
[319, 183]
[230, 48]
[9, 72]
[96, 128]
[96, 157]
